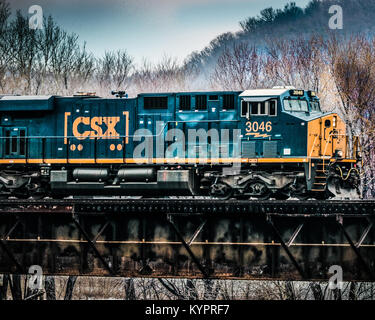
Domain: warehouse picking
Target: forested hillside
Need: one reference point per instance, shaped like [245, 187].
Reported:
[290, 22]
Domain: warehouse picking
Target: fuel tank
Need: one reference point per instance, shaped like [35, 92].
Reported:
[137, 174]
[91, 174]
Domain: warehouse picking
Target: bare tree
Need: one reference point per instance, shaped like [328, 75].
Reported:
[239, 67]
[83, 68]
[4, 14]
[63, 58]
[296, 62]
[165, 76]
[22, 43]
[5, 54]
[113, 70]
[353, 69]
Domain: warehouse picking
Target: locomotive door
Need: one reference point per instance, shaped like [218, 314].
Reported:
[326, 141]
[15, 142]
[328, 128]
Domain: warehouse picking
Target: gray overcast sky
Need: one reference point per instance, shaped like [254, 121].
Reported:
[150, 28]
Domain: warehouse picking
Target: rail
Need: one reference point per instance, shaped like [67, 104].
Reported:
[189, 206]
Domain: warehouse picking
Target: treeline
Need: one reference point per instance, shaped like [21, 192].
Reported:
[272, 24]
[53, 61]
[359, 15]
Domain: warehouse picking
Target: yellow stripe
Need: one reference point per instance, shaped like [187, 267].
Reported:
[271, 160]
[160, 160]
[13, 161]
[108, 161]
[344, 160]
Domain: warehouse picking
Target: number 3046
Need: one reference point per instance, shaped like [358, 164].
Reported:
[256, 126]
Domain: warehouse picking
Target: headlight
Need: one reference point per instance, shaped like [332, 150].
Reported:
[339, 154]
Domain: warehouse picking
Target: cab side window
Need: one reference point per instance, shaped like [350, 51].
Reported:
[254, 108]
[244, 107]
[266, 108]
[272, 108]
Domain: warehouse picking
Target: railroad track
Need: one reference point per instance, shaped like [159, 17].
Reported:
[191, 207]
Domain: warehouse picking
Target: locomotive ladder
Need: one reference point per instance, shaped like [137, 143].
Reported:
[321, 171]
[320, 181]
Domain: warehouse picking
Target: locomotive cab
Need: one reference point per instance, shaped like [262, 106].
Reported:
[285, 128]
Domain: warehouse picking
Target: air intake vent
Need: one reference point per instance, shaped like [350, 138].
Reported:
[248, 149]
[269, 149]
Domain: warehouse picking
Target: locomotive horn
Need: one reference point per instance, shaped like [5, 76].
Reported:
[119, 94]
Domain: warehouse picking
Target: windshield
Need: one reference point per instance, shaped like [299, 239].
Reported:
[315, 105]
[295, 105]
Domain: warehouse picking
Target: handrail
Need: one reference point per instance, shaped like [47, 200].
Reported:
[312, 149]
[326, 146]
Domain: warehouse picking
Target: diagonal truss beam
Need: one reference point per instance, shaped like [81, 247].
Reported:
[294, 235]
[196, 233]
[317, 292]
[364, 235]
[101, 230]
[365, 266]
[201, 268]
[285, 247]
[92, 245]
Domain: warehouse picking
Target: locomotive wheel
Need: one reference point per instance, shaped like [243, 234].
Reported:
[281, 196]
[301, 196]
[57, 196]
[38, 193]
[221, 191]
[21, 193]
[264, 196]
[301, 193]
[324, 195]
[37, 196]
[259, 190]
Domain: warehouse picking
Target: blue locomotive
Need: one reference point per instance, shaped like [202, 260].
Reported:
[264, 143]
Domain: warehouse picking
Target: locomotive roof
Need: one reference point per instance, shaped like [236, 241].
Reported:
[18, 98]
[263, 92]
[26, 103]
[185, 92]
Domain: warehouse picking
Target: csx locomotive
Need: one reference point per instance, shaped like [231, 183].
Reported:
[265, 143]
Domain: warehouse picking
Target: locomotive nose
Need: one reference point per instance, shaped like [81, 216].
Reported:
[327, 137]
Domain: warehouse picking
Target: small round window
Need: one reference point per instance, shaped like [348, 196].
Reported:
[327, 123]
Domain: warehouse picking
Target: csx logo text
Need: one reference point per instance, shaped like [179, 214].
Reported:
[95, 124]
[209, 309]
